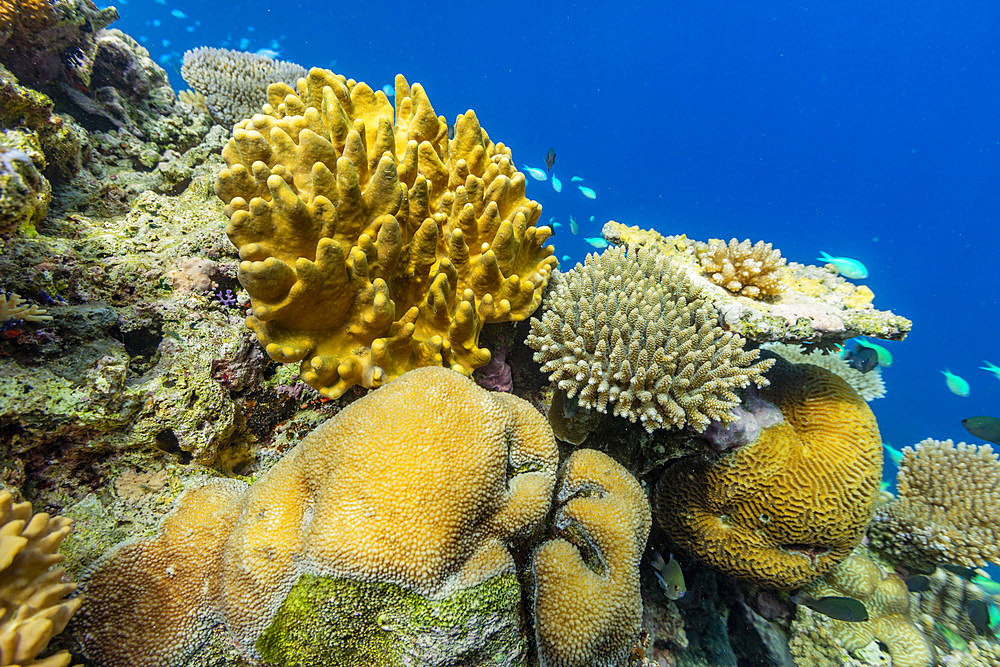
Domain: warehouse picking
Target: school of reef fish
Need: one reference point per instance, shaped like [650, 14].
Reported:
[290, 375]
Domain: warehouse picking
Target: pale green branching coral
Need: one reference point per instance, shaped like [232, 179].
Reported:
[629, 329]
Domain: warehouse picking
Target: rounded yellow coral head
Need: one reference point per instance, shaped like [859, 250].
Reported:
[788, 507]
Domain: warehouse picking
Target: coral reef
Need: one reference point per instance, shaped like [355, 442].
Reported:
[744, 269]
[627, 329]
[471, 472]
[947, 509]
[887, 601]
[24, 192]
[233, 84]
[12, 307]
[429, 238]
[785, 509]
[587, 603]
[868, 385]
[814, 304]
[33, 604]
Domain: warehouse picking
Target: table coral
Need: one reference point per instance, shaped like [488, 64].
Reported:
[587, 603]
[423, 484]
[788, 507]
[631, 335]
[947, 509]
[372, 243]
[33, 607]
[887, 601]
[743, 268]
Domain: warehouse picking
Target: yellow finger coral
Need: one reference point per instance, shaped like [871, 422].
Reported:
[887, 601]
[33, 607]
[788, 507]
[628, 329]
[424, 484]
[743, 268]
[371, 243]
[588, 609]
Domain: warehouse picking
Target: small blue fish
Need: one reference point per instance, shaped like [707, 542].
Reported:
[166, 43]
[189, 28]
[884, 355]
[556, 225]
[576, 179]
[389, 90]
[835, 606]
[992, 368]
[244, 43]
[534, 172]
[847, 267]
[556, 183]
[956, 384]
[178, 14]
[989, 586]
[573, 227]
[669, 576]
[894, 454]
[587, 192]
[267, 53]
[155, 23]
[597, 242]
[564, 258]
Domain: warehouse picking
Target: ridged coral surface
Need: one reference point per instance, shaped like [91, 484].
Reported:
[371, 243]
[33, 604]
[948, 506]
[788, 507]
[588, 607]
[743, 268]
[423, 484]
[628, 334]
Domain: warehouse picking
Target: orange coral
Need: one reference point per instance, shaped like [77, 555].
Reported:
[788, 507]
[25, 15]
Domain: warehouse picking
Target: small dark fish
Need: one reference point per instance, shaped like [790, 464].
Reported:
[966, 573]
[550, 159]
[985, 428]
[451, 131]
[669, 576]
[979, 614]
[861, 359]
[834, 606]
[918, 583]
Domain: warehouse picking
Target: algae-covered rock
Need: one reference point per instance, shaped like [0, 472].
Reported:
[24, 192]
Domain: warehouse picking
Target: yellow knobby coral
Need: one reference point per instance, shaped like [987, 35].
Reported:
[33, 607]
[627, 328]
[371, 243]
[947, 509]
[423, 484]
[29, 15]
[588, 608]
[868, 385]
[788, 507]
[743, 268]
[887, 601]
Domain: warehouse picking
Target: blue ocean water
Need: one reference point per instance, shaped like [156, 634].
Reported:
[870, 130]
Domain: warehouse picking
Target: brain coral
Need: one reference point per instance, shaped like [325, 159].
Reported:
[788, 507]
[627, 328]
[423, 484]
[33, 607]
[588, 608]
[743, 268]
[371, 243]
[868, 385]
[233, 84]
[887, 601]
[947, 509]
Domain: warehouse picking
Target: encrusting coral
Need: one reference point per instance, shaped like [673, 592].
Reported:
[587, 603]
[24, 15]
[743, 268]
[33, 604]
[428, 499]
[371, 243]
[232, 85]
[868, 385]
[627, 329]
[786, 508]
[887, 601]
[947, 508]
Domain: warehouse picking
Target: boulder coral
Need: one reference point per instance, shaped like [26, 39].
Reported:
[371, 243]
[786, 508]
[431, 500]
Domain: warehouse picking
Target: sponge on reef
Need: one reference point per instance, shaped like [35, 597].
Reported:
[425, 484]
[588, 607]
[371, 242]
[786, 508]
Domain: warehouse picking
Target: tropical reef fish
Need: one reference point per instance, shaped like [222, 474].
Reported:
[966, 573]
[985, 428]
[550, 159]
[884, 355]
[955, 641]
[956, 384]
[267, 53]
[992, 368]
[918, 583]
[389, 90]
[862, 359]
[587, 192]
[573, 227]
[575, 179]
[597, 242]
[894, 454]
[669, 576]
[178, 14]
[989, 586]
[847, 267]
[564, 258]
[556, 184]
[835, 606]
[534, 172]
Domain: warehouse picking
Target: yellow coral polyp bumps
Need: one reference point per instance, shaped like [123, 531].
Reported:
[371, 243]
